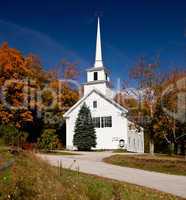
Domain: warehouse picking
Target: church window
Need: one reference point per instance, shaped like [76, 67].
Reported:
[96, 122]
[94, 104]
[106, 76]
[95, 76]
[106, 121]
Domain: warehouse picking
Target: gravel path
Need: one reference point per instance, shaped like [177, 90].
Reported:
[91, 163]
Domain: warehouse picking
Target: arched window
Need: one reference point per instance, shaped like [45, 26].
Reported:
[95, 76]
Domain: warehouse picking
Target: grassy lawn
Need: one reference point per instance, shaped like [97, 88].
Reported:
[157, 163]
[30, 178]
[119, 151]
[4, 156]
[59, 153]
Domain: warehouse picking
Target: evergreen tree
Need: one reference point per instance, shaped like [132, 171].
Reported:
[84, 137]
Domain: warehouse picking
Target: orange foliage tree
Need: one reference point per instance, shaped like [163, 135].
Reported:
[148, 81]
[14, 68]
[22, 80]
[67, 94]
[170, 114]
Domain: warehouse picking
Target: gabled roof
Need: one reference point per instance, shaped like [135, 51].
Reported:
[100, 94]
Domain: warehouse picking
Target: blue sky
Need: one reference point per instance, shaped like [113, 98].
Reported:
[56, 30]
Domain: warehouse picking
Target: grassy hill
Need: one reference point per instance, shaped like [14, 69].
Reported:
[30, 178]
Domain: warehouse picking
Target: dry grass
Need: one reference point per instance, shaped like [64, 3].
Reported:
[158, 163]
[31, 178]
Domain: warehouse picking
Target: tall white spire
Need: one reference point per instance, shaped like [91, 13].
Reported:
[98, 57]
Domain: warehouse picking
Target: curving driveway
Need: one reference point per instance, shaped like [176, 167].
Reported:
[91, 163]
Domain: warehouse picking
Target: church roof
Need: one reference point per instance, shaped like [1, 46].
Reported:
[100, 94]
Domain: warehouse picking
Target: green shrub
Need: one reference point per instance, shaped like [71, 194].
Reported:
[12, 136]
[22, 138]
[49, 140]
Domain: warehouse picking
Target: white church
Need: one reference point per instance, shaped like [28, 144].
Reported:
[113, 129]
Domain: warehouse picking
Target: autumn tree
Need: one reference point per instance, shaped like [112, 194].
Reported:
[20, 79]
[29, 92]
[158, 104]
[172, 116]
[62, 83]
[126, 100]
[147, 87]
[13, 68]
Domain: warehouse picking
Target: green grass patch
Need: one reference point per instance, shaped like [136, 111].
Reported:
[5, 174]
[63, 153]
[30, 179]
[157, 163]
[119, 151]
[5, 154]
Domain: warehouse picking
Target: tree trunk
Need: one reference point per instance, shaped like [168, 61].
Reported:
[179, 149]
[151, 146]
[171, 148]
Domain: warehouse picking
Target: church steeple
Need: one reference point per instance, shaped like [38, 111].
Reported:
[98, 57]
[97, 76]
